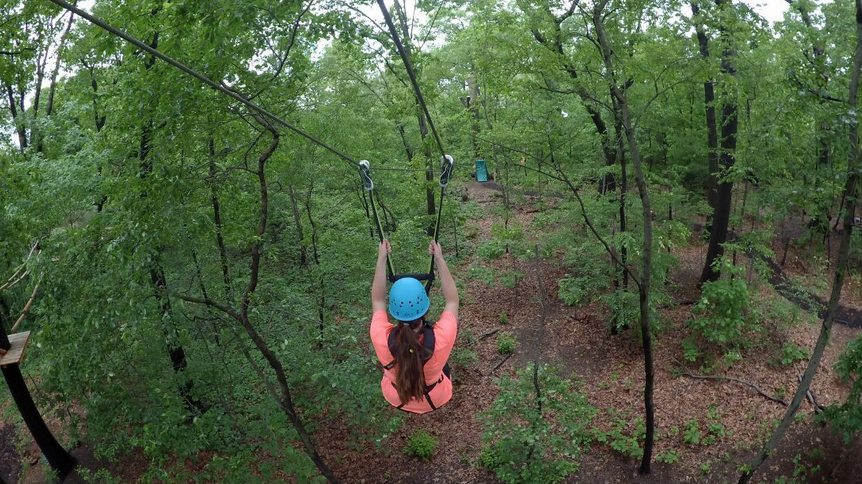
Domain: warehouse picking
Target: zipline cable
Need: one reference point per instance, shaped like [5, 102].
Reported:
[218, 87]
[409, 66]
[445, 159]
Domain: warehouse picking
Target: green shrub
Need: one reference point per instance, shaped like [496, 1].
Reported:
[791, 353]
[624, 309]
[482, 273]
[504, 318]
[668, 457]
[526, 445]
[723, 316]
[464, 357]
[692, 433]
[506, 343]
[509, 279]
[492, 249]
[573, 290]
[618, 439]
[690, 351]
[716, 429]
[421, 444]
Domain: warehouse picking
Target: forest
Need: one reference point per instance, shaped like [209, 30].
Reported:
[650, 216]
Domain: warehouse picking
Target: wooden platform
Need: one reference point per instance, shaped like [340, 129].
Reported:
[15, 354]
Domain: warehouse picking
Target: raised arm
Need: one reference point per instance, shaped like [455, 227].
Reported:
[450, 292]
[378, 287]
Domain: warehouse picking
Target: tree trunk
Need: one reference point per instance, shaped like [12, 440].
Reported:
[176, 352]
[854, 167]
[724, 195]
[297, 219]
[553, 43]
[286, 401]
[49, 109]
[473, 107]
[619, 130]
[321, 302]
[40, 76]
[98, 120]
[222, 250]
[644, 287]
[423, 124]
[61, 461]
[822, 220]
[20, 128]
[709, 102]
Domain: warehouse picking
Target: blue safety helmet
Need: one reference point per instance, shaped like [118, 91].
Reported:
[408, 300]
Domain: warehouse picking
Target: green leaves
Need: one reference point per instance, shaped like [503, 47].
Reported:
[724, 317]
[535, 439]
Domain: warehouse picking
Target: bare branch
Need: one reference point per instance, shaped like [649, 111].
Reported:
[500, 363]
[730, 379]
[25, 311]
[283, 59]
[209, 302]
[12, 283]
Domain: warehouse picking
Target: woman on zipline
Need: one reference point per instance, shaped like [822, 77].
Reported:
[413, 352]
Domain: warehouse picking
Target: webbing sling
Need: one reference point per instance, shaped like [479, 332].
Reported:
[447, 163]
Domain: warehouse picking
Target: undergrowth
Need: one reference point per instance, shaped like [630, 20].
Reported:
[535, 438]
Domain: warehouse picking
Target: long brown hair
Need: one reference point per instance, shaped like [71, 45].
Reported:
[410, 378]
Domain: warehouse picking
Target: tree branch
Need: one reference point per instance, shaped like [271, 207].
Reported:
[264, 210]
[209, 302]
[283, 59]
[730, 379]
[25, 311]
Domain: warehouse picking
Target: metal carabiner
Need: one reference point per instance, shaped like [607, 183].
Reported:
[446, 163]
[367, 183]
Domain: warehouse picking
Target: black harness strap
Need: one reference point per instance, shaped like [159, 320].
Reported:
[428, 342]
[368, 186]
[446, 165]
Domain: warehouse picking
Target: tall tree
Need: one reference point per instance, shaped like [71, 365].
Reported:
[709, 103]
[851, 193]
[644, 281]
[729, 128]
[553, 39]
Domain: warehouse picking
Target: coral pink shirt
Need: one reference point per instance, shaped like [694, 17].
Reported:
[445, 332]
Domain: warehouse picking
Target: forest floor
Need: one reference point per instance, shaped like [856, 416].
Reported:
[577, 340]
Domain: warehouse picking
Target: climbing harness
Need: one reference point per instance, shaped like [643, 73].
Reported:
[446, 165]
[427, 341]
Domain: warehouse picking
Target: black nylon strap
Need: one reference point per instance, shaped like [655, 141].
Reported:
[368, 185]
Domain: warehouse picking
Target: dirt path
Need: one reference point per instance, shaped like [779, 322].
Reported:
[807, 301]
[611, 369]
[10, 461]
